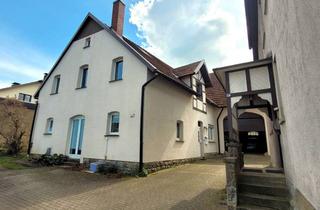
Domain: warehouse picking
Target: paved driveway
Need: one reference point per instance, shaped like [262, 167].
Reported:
[193, 186]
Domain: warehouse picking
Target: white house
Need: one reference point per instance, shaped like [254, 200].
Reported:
[108, 99]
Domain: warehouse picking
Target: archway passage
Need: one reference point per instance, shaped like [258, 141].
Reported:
[252, 134]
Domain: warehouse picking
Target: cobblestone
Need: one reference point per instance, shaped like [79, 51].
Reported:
[198, 186]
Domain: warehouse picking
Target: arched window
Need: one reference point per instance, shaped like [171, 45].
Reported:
[76, 136]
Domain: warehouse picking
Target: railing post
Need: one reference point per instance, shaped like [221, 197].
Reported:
[234, 162]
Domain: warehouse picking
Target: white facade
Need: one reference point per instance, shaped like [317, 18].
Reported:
[94, 102]
[289, 31]
[165, 106]
[165, 103]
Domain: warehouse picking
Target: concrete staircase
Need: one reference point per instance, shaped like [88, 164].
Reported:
[263, 191]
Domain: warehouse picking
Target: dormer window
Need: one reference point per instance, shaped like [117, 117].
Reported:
[199, 89]
[87, 42]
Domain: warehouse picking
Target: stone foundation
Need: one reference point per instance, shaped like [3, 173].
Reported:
[114, 166]
[132, 168]
[159, 165]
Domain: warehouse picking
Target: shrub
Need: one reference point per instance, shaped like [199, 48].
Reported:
[50, 160]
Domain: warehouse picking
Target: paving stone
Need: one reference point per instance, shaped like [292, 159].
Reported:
[199, 185]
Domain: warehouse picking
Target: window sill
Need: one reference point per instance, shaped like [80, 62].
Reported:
[78, 88]
[116, 80]
[111, 135]
[85, 47]
[211, 141]
[53, 94]
[179, 140]
[47, 134]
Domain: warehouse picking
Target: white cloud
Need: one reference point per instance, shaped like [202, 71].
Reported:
[180, 32]
[20, 62]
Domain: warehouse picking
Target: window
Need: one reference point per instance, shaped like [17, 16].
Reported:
[87, 42]
[179, 130]
[56, 83]
[113, 123]
[199, 89]
[265, 7]
[24, 97]
[210, 132]
[83, 77]
[117, 69]
[253, 133]
[49, 126]
[264, 40]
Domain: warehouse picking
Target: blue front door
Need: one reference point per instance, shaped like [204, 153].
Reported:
[76, 137]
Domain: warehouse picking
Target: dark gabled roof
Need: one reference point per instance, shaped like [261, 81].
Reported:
[186, 69]
[216, 93]
[153, 63]
[251, 8]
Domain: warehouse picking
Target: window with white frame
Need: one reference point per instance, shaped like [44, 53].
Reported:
[117, 69]
[83, 77]
[24, 97]
[55, 85]
[210, 133]
[113, 123]
[49, 126]
[179, 130]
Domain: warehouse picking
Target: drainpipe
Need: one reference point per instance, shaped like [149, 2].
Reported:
[141, 121]
[218, 130]
[32, 127]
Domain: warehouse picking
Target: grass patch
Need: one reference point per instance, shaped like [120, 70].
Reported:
[10, 162]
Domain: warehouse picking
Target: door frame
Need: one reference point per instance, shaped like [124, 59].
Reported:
[80, 118]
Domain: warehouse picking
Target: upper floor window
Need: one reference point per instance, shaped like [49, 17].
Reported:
[113, 123]
[210, 132]
[87, 42]
[117, 69]
[179, 132]
[49, 126]
[83, 77]
[24, 97]
[56, 84]
[199, 89]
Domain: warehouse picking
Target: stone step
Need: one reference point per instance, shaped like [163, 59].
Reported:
[272, 202]
[262, 178]
[251, 207]
[264, 189]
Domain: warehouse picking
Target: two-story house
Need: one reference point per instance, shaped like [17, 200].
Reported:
[107, 98]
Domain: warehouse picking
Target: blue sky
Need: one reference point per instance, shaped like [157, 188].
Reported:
[33, 33]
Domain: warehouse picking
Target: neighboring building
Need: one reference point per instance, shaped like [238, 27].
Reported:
[22, 92]
[289, 32]
[107, 98]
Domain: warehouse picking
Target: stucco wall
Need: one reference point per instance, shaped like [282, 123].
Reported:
[94, 102]
[165, 104]
[292, 35]
[13, 92]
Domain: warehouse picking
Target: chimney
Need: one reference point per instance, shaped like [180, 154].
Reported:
[118, 16]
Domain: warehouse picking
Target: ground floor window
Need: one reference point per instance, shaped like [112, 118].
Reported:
[113, 123]
[210, 132]
[179, 132]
